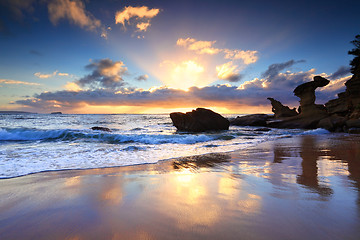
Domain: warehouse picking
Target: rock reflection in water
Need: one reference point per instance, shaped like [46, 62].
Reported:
[201, 161]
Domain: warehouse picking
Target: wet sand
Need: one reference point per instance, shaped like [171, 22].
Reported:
[305, 187]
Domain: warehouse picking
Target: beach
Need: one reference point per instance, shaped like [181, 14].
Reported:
[299, 187]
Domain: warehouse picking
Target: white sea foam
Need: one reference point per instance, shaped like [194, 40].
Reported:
[49, 142]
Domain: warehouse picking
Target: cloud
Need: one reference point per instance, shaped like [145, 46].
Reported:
[34, 52]
[247, 56]
[341, 72]
[105, 88]
[142, 27]
[201, 47]
[75, 13]
[275, 68]
[71, 86]
[139, 14]
[105, 74]
[18, 8]
[16, 82]
[336, 85]
[228, 71]
[142, 77]
[55, 73]
[63, 74]
[206, 47]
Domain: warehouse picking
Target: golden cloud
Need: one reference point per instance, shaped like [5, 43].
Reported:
[16, 82]
[124, 16]
[247, 56]
[228, 71]
[74, 11]
[201, 47]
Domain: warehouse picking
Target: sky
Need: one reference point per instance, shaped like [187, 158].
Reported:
[160, 56]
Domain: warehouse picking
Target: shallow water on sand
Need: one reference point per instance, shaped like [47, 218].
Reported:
[304, 187]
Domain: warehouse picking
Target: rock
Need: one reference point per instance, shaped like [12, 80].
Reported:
[258, 120]
[332, 123]
[354, 130]
[199, 120]
[310, 114]
[306, 93]
[280, 110]
[105, 129]
[353, 90]
[305, 122]
[353, 123]
[347, 102]
[56, 113]
[355, 114]
[339, 105]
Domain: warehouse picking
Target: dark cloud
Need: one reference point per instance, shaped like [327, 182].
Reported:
[105, 74]
[17, 9]
[142, 77]
[34, 52]
[276, 68]
[341, 72]
[233, 77]
[220, 95]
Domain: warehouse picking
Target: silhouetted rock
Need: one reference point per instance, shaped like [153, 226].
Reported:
[56, 113]
[105, 129]
[353, 123]
[348, 102]
[332, 123]
[306, 93]
[354, 130]
[199, 120]
[258, 120]
[310, 113]
[280, 110]
[339, 105]
[353, 91]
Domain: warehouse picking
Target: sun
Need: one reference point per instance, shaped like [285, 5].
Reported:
[184, 74]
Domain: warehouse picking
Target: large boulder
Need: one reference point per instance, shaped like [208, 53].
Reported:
[199, 120]
[258, 120]
[281, 111]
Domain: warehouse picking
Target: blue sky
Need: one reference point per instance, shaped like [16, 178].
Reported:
[160, 56]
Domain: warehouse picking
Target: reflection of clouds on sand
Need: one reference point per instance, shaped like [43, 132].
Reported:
[254, 196]
[188, 201]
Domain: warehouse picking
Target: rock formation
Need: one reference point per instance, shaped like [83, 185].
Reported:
[199, 120]
[281, 111]
[258, 120]
[310, 113]
[306, 93]
[348, 103]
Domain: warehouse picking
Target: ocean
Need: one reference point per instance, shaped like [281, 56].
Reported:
[31, 143]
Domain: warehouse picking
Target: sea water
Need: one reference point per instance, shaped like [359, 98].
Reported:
[31, 143]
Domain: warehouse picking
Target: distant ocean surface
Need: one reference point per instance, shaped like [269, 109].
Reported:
[31, 143]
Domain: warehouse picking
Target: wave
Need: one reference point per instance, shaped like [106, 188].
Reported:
[28, 134]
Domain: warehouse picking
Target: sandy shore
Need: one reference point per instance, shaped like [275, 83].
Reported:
[305, 187]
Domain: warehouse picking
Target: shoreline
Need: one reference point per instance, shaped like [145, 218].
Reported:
[162, 160]
[292, 188]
